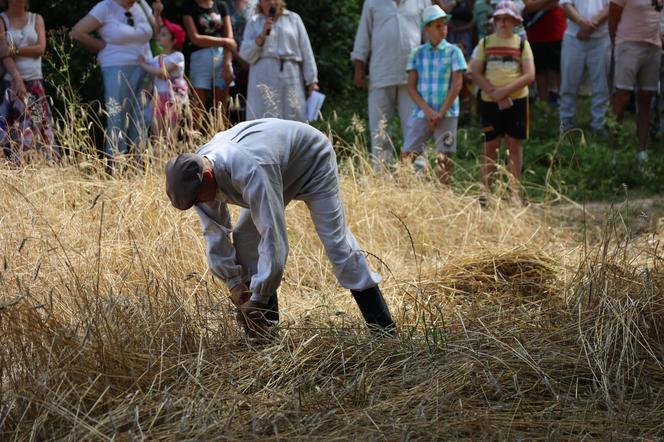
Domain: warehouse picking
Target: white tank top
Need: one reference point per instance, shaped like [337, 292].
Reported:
[30, 68]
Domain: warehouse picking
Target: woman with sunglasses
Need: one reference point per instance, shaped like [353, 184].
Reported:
[125, 28]
[26, 122]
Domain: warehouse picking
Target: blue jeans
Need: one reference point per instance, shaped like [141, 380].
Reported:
[576, 56]
[127, 117]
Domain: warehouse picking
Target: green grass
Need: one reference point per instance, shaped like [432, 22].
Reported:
[579, 165]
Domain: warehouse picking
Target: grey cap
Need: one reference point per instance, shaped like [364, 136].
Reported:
[184, 177]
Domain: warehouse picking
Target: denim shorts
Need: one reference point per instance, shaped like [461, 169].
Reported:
[206, 68]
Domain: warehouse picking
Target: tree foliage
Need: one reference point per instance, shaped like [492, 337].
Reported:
[331, 26]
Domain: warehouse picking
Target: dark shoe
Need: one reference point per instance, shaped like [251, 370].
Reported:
[374, 310]
[272, 313]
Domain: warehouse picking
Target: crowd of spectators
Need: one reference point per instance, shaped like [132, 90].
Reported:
[261, 50]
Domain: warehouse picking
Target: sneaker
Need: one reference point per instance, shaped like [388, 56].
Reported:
[483, 201]
[420, 164]
[642, 156]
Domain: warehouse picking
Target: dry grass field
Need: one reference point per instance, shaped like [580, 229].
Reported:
[513, 325]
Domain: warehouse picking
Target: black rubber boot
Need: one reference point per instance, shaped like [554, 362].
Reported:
[374, 310]
[272, 313]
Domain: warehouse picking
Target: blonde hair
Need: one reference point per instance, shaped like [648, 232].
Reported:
[259, 10]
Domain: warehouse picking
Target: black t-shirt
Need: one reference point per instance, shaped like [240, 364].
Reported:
[208, 21]
[462, 12]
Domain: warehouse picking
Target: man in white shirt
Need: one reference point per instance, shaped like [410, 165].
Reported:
[261, 166]
[586, 45]
[387, 32]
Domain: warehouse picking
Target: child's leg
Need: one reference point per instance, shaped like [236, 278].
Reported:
[444, 168]
[492, 129]
[489, 158]
[417, 134]
[446, 144]
[516, 123]
[515, 159]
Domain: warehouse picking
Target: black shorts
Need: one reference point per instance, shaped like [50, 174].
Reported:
[547, 56]
[497, 123]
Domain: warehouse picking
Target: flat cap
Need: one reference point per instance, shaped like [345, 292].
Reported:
[184, 177]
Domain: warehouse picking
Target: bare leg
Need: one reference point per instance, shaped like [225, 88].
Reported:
[620, 101]
[643, 100]
[198, 106]
[489, 158]
[444, 168]
[515, 159]
[408, 157]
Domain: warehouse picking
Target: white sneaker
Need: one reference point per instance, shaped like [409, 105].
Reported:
[420, 164]
[642, 156]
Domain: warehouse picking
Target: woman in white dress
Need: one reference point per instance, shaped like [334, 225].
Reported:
[277, 47]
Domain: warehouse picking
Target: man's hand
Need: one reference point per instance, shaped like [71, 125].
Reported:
[359, 75]
[251, 315]
[240, 294]
[587, 28]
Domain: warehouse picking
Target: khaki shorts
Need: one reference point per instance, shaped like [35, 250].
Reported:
[637, 66]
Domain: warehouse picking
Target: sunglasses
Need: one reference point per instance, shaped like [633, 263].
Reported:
[130, 18]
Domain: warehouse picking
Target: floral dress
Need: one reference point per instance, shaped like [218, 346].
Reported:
[26, 124]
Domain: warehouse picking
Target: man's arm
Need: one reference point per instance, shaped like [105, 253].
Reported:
[216, 225]
[615, 14]
[262, 191]
[362, 46]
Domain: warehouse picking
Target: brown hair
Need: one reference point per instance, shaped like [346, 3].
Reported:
[259, 10]
[4, 4]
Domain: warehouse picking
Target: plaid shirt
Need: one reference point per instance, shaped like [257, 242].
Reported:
[434, 66]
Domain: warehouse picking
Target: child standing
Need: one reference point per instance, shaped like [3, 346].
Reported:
[430, 68]
[171, 88]
[503, 68]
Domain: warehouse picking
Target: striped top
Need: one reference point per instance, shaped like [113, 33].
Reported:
[503, 58]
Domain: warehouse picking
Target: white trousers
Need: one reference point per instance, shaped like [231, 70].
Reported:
[348, 262]
[383, 103]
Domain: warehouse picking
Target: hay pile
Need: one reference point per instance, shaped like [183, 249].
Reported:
[111, 326]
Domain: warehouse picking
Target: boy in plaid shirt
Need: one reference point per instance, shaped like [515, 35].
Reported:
[435, 77]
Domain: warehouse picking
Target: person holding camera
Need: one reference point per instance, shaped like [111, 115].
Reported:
[276, 46]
